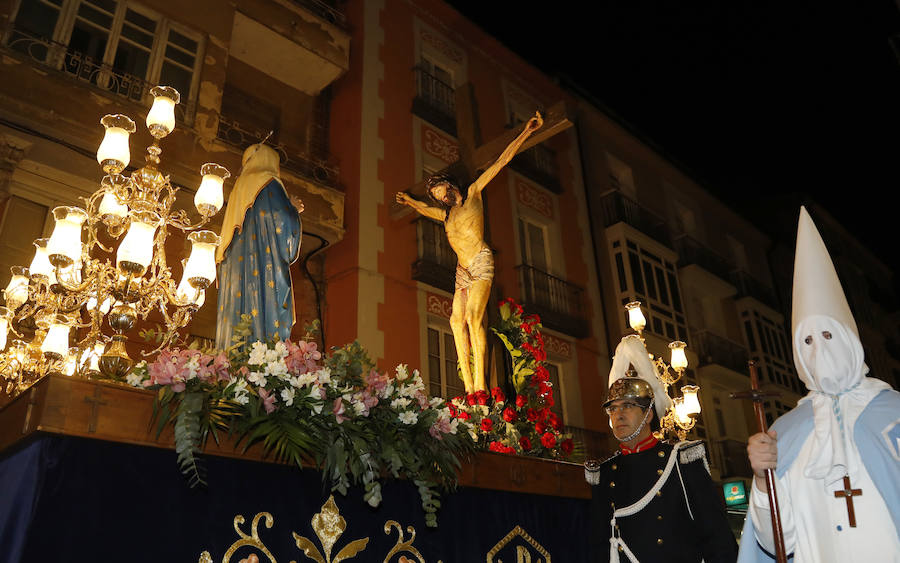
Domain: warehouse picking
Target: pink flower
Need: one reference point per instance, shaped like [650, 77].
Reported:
[338, 409]
[221, 367]
[163, 370]
[267, 399]
[440, 427]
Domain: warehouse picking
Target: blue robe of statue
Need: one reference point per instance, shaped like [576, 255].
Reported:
[254, 275]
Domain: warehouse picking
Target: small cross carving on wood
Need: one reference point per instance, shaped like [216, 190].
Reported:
[848, 494]
[96, 402]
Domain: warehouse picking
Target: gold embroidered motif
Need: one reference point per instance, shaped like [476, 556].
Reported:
[254, 312]
[523, 554]
[329, 525]
[401, 545]
[205, 557]
[251, 540]
[271, 283]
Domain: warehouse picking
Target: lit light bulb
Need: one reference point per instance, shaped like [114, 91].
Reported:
[5, 315]
[679, 359]
[691, 400]
[200, 270]
[635, 316]
[136, 250]
[56, 343]
[114, 154]
[681, 412]
[71, 364]
[64, 246]
[16, 292]
[209, 198]
[161, 117]
[40, 264]
[187, 294]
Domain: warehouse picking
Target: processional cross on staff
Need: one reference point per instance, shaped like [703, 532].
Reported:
[464, 221]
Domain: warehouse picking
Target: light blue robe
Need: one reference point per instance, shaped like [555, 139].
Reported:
[254, 276]
[877, 436]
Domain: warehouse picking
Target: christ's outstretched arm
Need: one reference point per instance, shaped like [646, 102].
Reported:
[511, 150]
[435, 213]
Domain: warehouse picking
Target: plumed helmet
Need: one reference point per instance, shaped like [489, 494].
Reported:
[630, 387]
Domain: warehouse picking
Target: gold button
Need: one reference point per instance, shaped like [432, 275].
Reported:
[620, 548]
[659, 493]
[659, 517]
[659, 471]
[659, 541]
[612, 483]
[614, 467]
[612, 505]
[661, 454]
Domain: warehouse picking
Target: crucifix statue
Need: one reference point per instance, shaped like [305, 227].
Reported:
[462, 214]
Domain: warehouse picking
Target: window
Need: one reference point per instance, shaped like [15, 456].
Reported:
[533, 241]
[119, 46]
[443, 375]
[22, 223]
[436, 85]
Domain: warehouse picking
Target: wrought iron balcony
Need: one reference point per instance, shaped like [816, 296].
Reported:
[749, 286]
[539, 164]
[714, 349]
[691, 251]
[730, 457]
[558, 302]
[59, 60]
[435, 262]
[435, 101]
[313, 169]
[617, 208]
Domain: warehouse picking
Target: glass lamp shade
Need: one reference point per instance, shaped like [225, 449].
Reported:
[110, 207]
[40, 264]
[94, 362]
[17, 289]
[19, 351]
[114, 154]
[691, 400]
[4, 326]
[64, 246]
[136, 250]
[679, 359]
[71, 362]
[209, 198]
[200, 270]
[187, 294]
[104, 307]
[56, 343]
[635, 316]
[681, 413]
[161, 118]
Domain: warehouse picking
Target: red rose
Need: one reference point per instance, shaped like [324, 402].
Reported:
[540, 427]
[549, 401]
[495, 447]
[509, 450]
[526, 327]
[566, 446]
[470, 399]
[521, 401]
[548, 440]
[544, 388]
[509, 415]
[525, 443]
[498, 395]
[554, 420]
[481, 397]
[463, 415]
[541, 374]
[532, 415]
[542, 414]
[487, 424]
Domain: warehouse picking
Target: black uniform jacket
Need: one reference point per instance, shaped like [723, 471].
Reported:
[664, 530]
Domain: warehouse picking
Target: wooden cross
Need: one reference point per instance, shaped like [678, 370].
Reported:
[848, 494]
[96, 402]
[475, 156]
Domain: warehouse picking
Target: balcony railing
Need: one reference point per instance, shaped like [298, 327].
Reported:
[690, 251]
[436, 262]
[616, 208]
[558, 302]
[539, 164]
[326, 10]
[313, 169]
[730, 457]
[749, 286]
[435, 101]
[60, 60]
[714, 349]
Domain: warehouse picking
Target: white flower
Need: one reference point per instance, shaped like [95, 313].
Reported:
[243, 398]
[257, 378]
[408, 417]
[387, 391]
[400, 403]
[193, 366]
[317, 407]
[257, 354]
[402, 372]
[287, 395]
[281, 349]
[134, 380]
[276, 367]
[435, 401]
[324, 376]
[454, 425]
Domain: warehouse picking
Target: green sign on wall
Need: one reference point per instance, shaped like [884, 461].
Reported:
[734, 493]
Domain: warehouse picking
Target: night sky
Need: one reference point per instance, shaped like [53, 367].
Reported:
[756, 97]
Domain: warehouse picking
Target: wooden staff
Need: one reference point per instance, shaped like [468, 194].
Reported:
[757, 397]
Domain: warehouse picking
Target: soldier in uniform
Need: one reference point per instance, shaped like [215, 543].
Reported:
[653, 501]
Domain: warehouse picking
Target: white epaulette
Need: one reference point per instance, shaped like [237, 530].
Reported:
[593, 476]
[692, 451]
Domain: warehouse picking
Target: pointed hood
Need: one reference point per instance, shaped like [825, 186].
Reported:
[631, 352]
[817, 289]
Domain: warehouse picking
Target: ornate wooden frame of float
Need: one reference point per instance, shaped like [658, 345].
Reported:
[76, 406]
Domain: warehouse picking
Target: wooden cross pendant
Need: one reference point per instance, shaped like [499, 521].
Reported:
[848, 494]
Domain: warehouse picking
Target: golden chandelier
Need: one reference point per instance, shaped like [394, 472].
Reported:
[108, 261]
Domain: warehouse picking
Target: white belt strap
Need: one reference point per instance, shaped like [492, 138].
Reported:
[615, 541]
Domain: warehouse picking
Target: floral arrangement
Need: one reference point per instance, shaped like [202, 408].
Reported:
[523, 424]
[341, 415]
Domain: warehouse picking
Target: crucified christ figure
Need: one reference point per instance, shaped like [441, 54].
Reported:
[463, 219]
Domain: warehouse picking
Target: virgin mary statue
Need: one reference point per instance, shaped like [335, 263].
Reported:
[261, 234]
